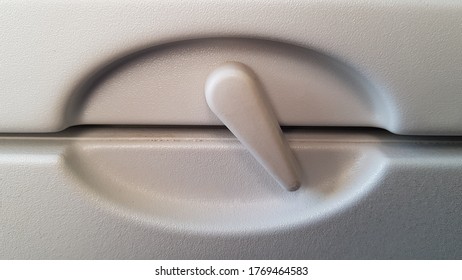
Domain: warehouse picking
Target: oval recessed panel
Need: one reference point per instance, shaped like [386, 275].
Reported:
[211, 183]
[164, 85]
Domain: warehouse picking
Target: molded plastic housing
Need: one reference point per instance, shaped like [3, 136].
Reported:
[197, 194]
[389, 64]
[188, 192]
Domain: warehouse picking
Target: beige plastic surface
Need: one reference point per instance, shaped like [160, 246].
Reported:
[389, 64]
[197, 193]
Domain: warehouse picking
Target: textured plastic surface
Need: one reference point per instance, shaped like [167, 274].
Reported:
[408, 50]
[199, 194]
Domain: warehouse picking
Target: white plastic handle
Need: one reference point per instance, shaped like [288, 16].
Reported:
[234, 94]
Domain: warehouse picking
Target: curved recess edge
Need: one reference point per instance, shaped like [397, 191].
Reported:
[306, 88]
